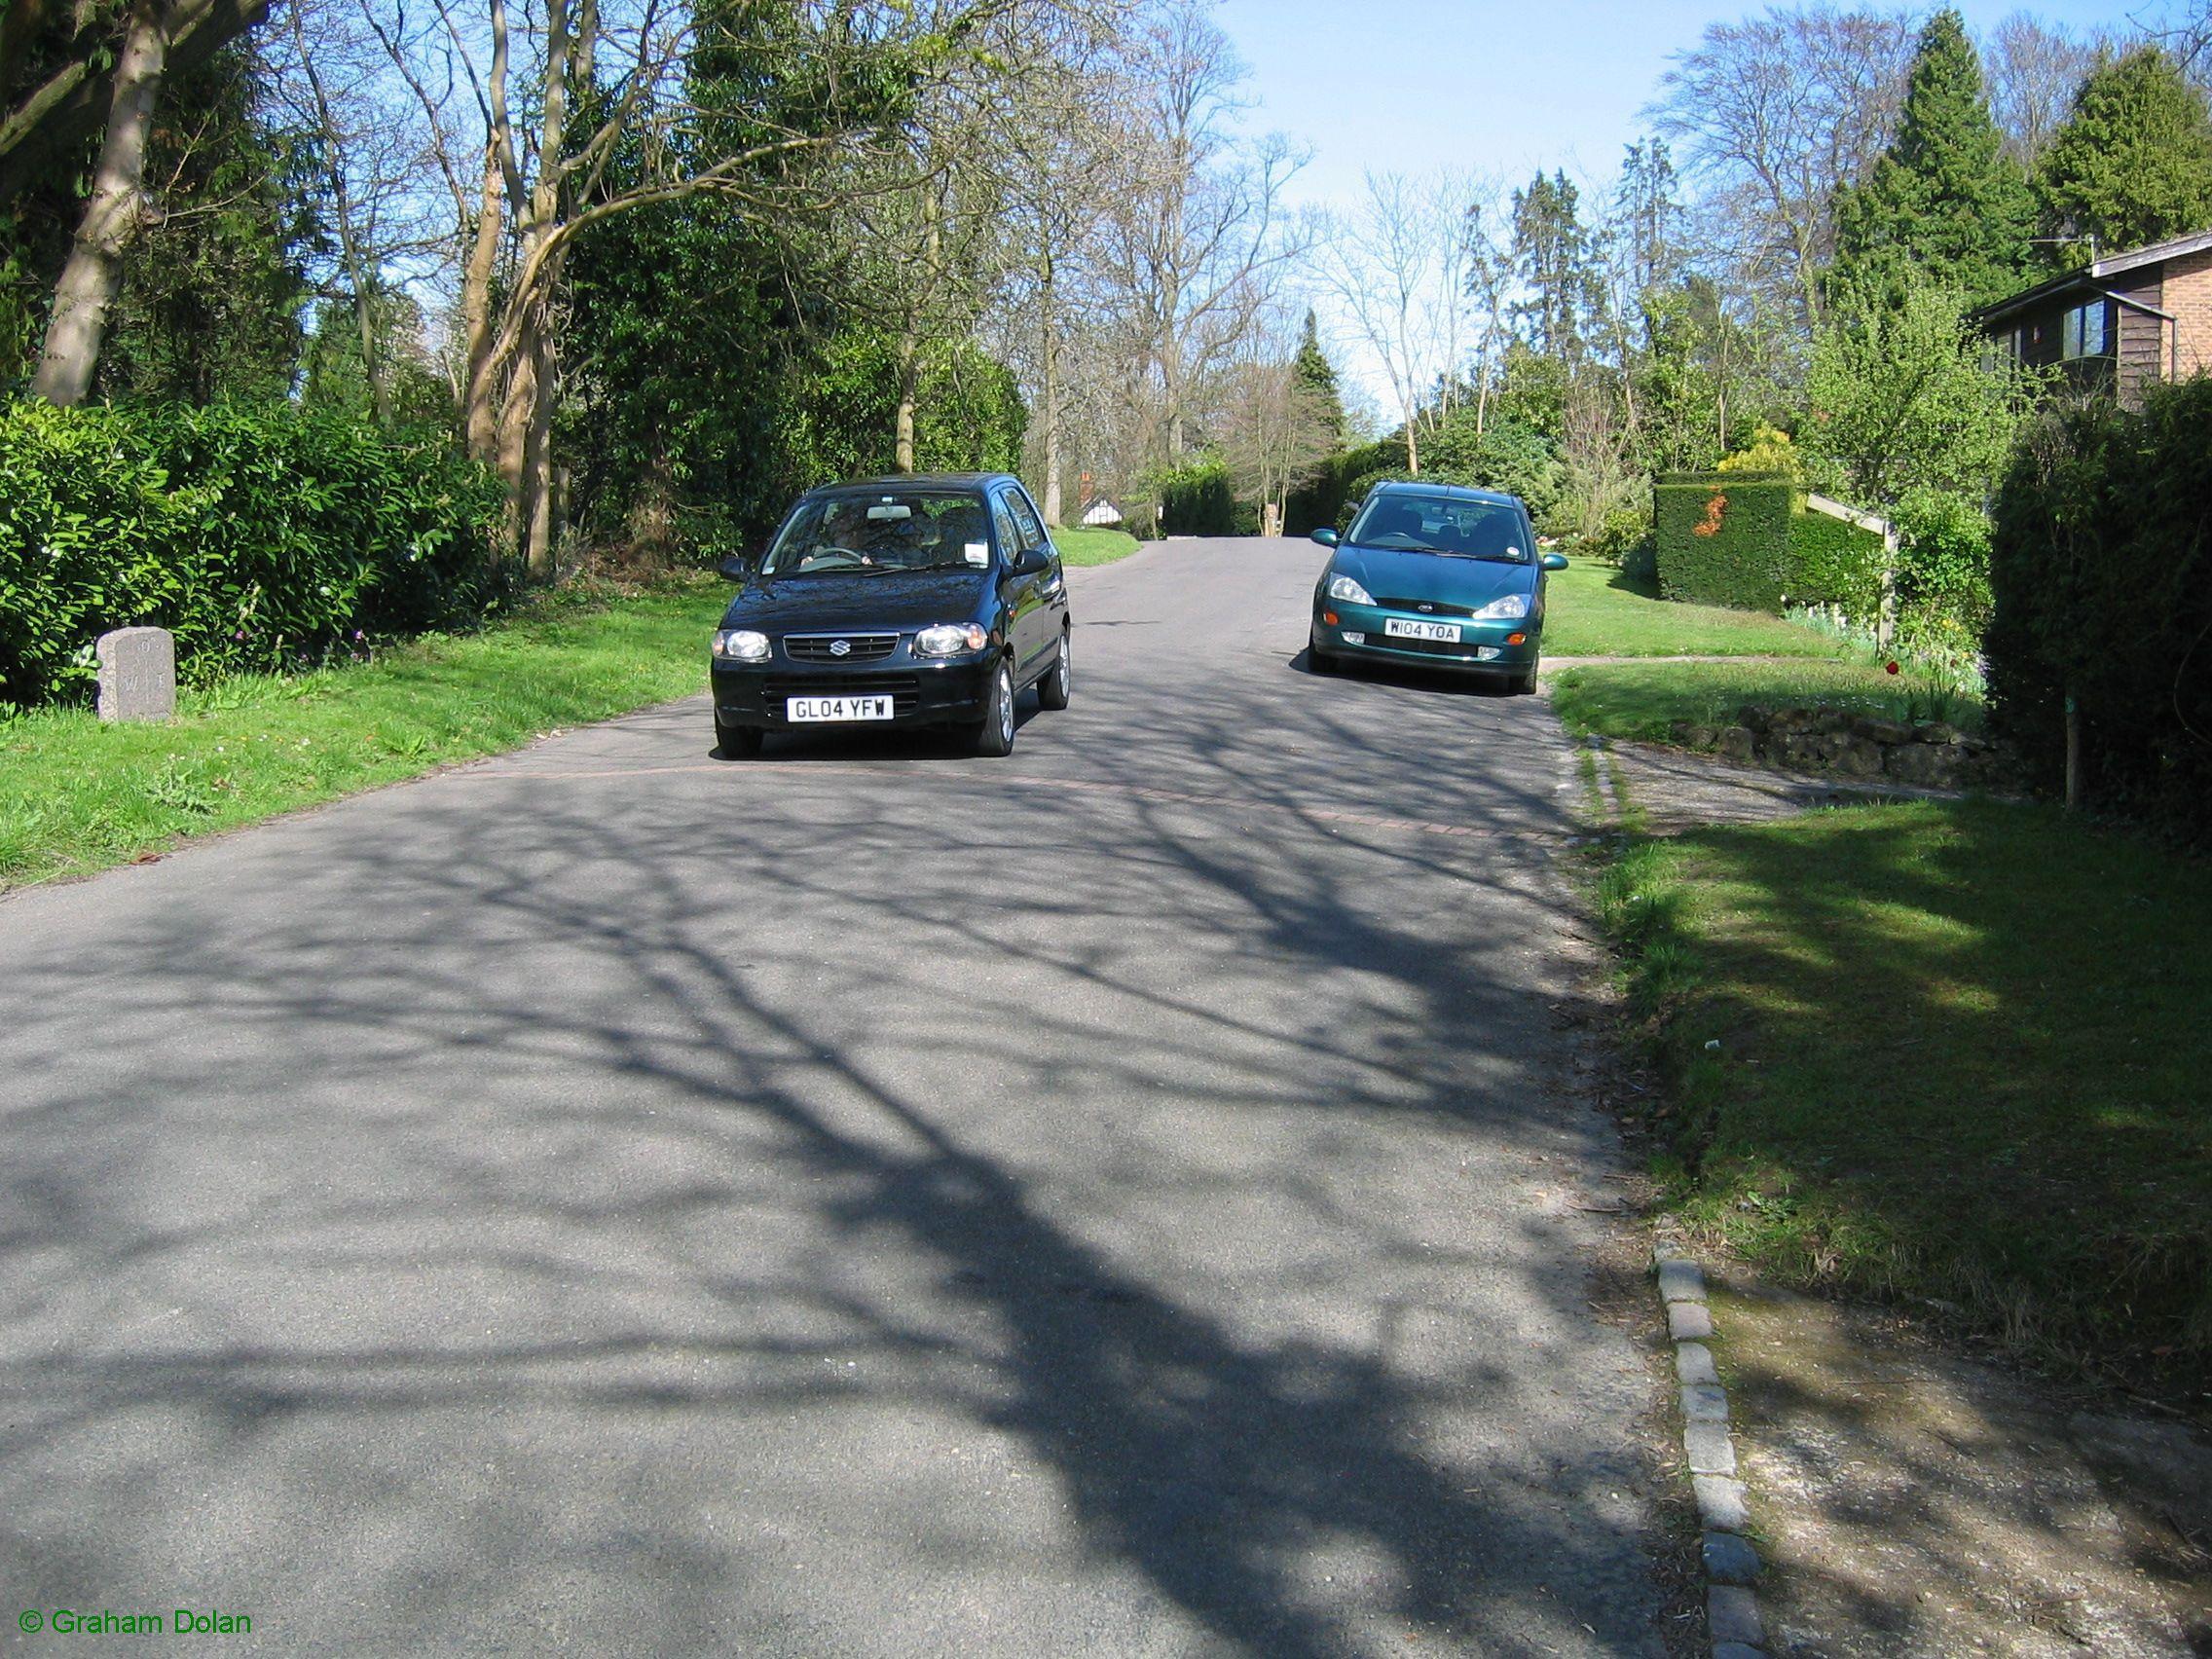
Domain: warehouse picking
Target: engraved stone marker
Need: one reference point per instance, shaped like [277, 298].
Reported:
[137, 674]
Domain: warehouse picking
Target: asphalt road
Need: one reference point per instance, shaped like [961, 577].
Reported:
[1117, 1199]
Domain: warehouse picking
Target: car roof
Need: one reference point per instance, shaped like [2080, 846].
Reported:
[918, 481]
[1453, 492]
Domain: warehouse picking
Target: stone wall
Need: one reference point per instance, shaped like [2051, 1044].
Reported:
[1838, 744]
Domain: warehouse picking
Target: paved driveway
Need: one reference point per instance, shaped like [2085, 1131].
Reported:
[1116, 1198]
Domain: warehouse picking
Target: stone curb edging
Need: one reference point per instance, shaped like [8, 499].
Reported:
[1731, 1564]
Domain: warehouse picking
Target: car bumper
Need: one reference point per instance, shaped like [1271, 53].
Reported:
[1483, 648]
[922, 694]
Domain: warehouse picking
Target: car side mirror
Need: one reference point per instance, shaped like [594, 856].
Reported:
[1031, 562]
[1555, 560]
[1326, 537]
[736, 567]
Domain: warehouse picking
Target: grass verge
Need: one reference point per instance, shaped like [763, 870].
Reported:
[1639, 701]
[79, 797]
[1948, 1053]
[1093, 545]
[1594, 610]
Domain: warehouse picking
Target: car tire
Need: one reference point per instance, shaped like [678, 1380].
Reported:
[994, 738]
[1054, 691]
[738, 743]
[1319, 661]
[1523, 685]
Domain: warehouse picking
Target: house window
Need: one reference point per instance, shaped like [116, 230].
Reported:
[2085, 332]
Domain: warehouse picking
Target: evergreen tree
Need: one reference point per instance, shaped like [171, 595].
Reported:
[1557, 266]
[1316, 377]
[1650, 214]
[1943, 199]
[2132, 165]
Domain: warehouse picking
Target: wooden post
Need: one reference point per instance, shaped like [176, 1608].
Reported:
[1886, 625]
[2073, 752]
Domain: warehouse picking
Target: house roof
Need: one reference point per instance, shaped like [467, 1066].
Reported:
[2093, 276]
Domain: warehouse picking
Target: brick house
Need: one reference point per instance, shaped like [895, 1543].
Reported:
[2119, 324]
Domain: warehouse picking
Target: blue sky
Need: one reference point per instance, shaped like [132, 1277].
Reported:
[1407, 85]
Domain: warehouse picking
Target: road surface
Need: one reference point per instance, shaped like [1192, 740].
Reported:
[1117, 1199]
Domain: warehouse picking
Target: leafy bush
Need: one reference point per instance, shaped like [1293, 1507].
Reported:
[1832, 561]
[1506, 455]
[1196, 499]
[1943, 569]
[1321, 500]
[2101, 578]
[258, 537]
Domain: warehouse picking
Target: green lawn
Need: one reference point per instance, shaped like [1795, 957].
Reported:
[1949, 1052]
[1641, 700]
[1593, 609]
[76, 796]
[1093, 546]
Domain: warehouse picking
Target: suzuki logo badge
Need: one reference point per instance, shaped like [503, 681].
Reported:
[841, 648]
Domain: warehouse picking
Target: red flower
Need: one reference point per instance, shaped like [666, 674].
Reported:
[1889, 668]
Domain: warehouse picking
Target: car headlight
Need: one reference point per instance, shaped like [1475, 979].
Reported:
[951, 638]
[1505, 609]
[1349, 591]
[741, 645]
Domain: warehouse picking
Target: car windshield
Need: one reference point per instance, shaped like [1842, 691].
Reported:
[880, 530]
[1461, 529]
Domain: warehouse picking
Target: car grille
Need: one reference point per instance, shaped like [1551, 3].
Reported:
[1425, 606]
[859, 648]
[1427, 647]
[904, 689]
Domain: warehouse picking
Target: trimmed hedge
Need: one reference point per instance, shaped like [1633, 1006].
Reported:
[1741, 539]
[1198, 499]
[1723, 539]
[260, 536]
[2101, 574]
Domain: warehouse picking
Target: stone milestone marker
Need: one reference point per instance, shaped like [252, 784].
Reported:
[137, 674]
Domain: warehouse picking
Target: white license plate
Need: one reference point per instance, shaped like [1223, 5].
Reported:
[1397, 628]
[802, 710]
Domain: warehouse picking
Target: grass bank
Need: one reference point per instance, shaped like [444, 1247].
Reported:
[1595, 609]
[1639, 701]
[77, 796]
[1949, 1054]
[1089, 545]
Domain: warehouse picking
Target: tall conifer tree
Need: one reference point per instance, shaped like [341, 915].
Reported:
[2133, 163]
[1944, 200]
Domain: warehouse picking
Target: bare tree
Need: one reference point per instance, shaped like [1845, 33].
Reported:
[1396, 267]
[1778, 112]
[1197, 227]
[1274, 432]
[2034, 71]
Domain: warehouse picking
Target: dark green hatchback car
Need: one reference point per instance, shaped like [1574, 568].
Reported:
[1435, 575]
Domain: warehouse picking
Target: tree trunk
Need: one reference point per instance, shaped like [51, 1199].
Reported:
[910, 374]
[1051, 362]
[1413, 449]
[93, 273]
[479, 416]
[537, 495]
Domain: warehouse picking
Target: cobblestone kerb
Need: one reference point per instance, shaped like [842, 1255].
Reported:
[1708, 1447]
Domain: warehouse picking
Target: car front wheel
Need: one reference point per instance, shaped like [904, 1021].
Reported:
[1058, 685]
[995, 737]
[738, 743]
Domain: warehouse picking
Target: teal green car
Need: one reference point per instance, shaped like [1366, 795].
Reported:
[1433, 575]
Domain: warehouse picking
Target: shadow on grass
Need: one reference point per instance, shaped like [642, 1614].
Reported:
[1962, 1051]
